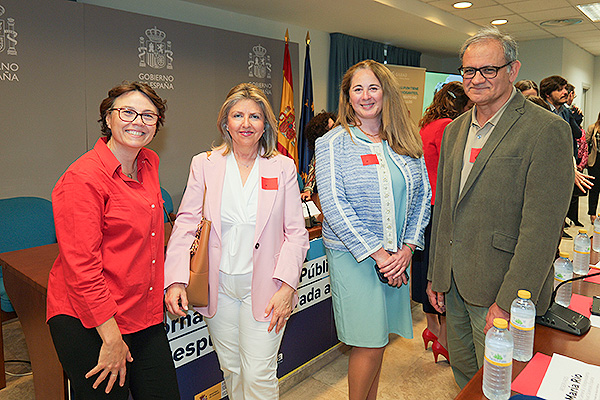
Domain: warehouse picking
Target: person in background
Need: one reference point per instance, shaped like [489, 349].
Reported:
[105, 299]
[576, 112]
[528, 87]
[539, 101]
[448, 103]
[316, 127]
[593, 140]
[495, 229]
[375, 198]
[257, 243]
[553, 90]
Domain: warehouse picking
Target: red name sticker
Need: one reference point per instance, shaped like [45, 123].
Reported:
[474, 154]
[269, 183]
[369, 159]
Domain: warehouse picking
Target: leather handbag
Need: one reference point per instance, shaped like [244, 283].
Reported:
[197, 289]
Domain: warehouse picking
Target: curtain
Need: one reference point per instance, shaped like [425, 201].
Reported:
[345, 51]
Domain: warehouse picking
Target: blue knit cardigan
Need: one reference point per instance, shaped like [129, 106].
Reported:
[354, 192]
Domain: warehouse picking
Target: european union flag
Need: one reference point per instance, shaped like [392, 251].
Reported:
[304, 153]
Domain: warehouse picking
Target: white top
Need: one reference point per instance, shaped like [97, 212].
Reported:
[238, 218]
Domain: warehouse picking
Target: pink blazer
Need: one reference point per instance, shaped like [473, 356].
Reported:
[281, 239]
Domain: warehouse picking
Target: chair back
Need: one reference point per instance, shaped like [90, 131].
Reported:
[24, 222]
[168, 203]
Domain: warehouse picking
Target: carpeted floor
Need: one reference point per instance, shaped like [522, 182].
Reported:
[17, 387]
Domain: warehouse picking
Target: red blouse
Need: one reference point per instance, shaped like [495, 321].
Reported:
[432, 134]
[110, 234]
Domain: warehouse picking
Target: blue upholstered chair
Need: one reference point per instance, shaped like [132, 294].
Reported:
[25, 222]
[168, 203]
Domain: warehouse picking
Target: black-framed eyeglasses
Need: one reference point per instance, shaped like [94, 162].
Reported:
[488, 71]
[129, 115]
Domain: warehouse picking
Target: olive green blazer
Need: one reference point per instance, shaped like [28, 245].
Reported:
[500, 234]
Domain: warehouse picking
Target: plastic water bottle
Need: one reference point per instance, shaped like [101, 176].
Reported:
[597, 234]
[497, 364]
[563, 270]
[522, 324]
[581, 253]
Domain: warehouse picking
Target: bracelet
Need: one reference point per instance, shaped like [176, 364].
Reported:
[410, 248]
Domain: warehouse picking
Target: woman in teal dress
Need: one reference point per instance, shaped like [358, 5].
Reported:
[375, 197]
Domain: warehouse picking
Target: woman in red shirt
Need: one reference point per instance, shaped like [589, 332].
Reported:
[448, 103]
[105, 297]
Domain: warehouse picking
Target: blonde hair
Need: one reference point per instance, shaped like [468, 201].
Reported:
[248, 91]
[396, 126]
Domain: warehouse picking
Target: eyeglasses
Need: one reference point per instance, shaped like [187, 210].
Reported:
[488, 72]
[129, 115]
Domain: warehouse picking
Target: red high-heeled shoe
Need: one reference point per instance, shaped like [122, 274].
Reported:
[438, 349]
[428, 337]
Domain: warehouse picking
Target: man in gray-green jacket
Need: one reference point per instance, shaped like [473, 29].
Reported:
[504, 183]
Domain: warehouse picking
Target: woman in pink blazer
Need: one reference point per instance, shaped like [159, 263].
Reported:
[257, 243]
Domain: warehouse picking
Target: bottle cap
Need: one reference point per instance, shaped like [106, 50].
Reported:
[524, 294]
[583, 231]
[500, 323]
[564, 254]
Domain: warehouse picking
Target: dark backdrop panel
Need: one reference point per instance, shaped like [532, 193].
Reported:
[70, 54]
[201, 66]
[42, 124]
[188, 85]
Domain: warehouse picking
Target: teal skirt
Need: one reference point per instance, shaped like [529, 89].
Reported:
[366, 311]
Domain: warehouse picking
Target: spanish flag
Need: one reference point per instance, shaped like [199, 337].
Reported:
[286, 138]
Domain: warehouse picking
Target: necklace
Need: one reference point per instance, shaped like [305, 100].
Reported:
[245, 165]
[376, 136]
[130, 175]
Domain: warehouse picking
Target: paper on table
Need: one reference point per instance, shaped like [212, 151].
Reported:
[567, 378]
[310, 207]
[593, 279]
[529, 380]
[595, 319]
[581, 304]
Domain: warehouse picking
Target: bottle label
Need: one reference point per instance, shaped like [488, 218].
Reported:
[522, 324]
[582, 252]
[498, 359]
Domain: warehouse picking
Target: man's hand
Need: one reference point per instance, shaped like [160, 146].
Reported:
[494, 312]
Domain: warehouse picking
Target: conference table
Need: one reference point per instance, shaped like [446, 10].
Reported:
[548, 341]
[26, 280]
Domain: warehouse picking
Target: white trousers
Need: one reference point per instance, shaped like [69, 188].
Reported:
[247, 352]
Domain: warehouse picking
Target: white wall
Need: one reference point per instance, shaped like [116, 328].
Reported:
[578, 69]
[201, 15]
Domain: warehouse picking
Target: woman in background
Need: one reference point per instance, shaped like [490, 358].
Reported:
[592, 136]
[448, 103]
[257, 243]
[528, 87]
[105, 303]
[316, 127]
[375, 198]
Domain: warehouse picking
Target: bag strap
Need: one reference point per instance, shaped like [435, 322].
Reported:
[208, 153]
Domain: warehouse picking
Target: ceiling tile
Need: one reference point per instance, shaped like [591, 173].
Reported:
[557, 13]
[446, 5]
[507, 1]
[519, 27]
[512, 19]
[587, 36]
[563, 30]
[532, 35]
[536, 5]
[483, 12]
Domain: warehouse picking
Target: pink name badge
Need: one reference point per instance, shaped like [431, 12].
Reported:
[369, 159]
[269, 183]
[474, 154]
